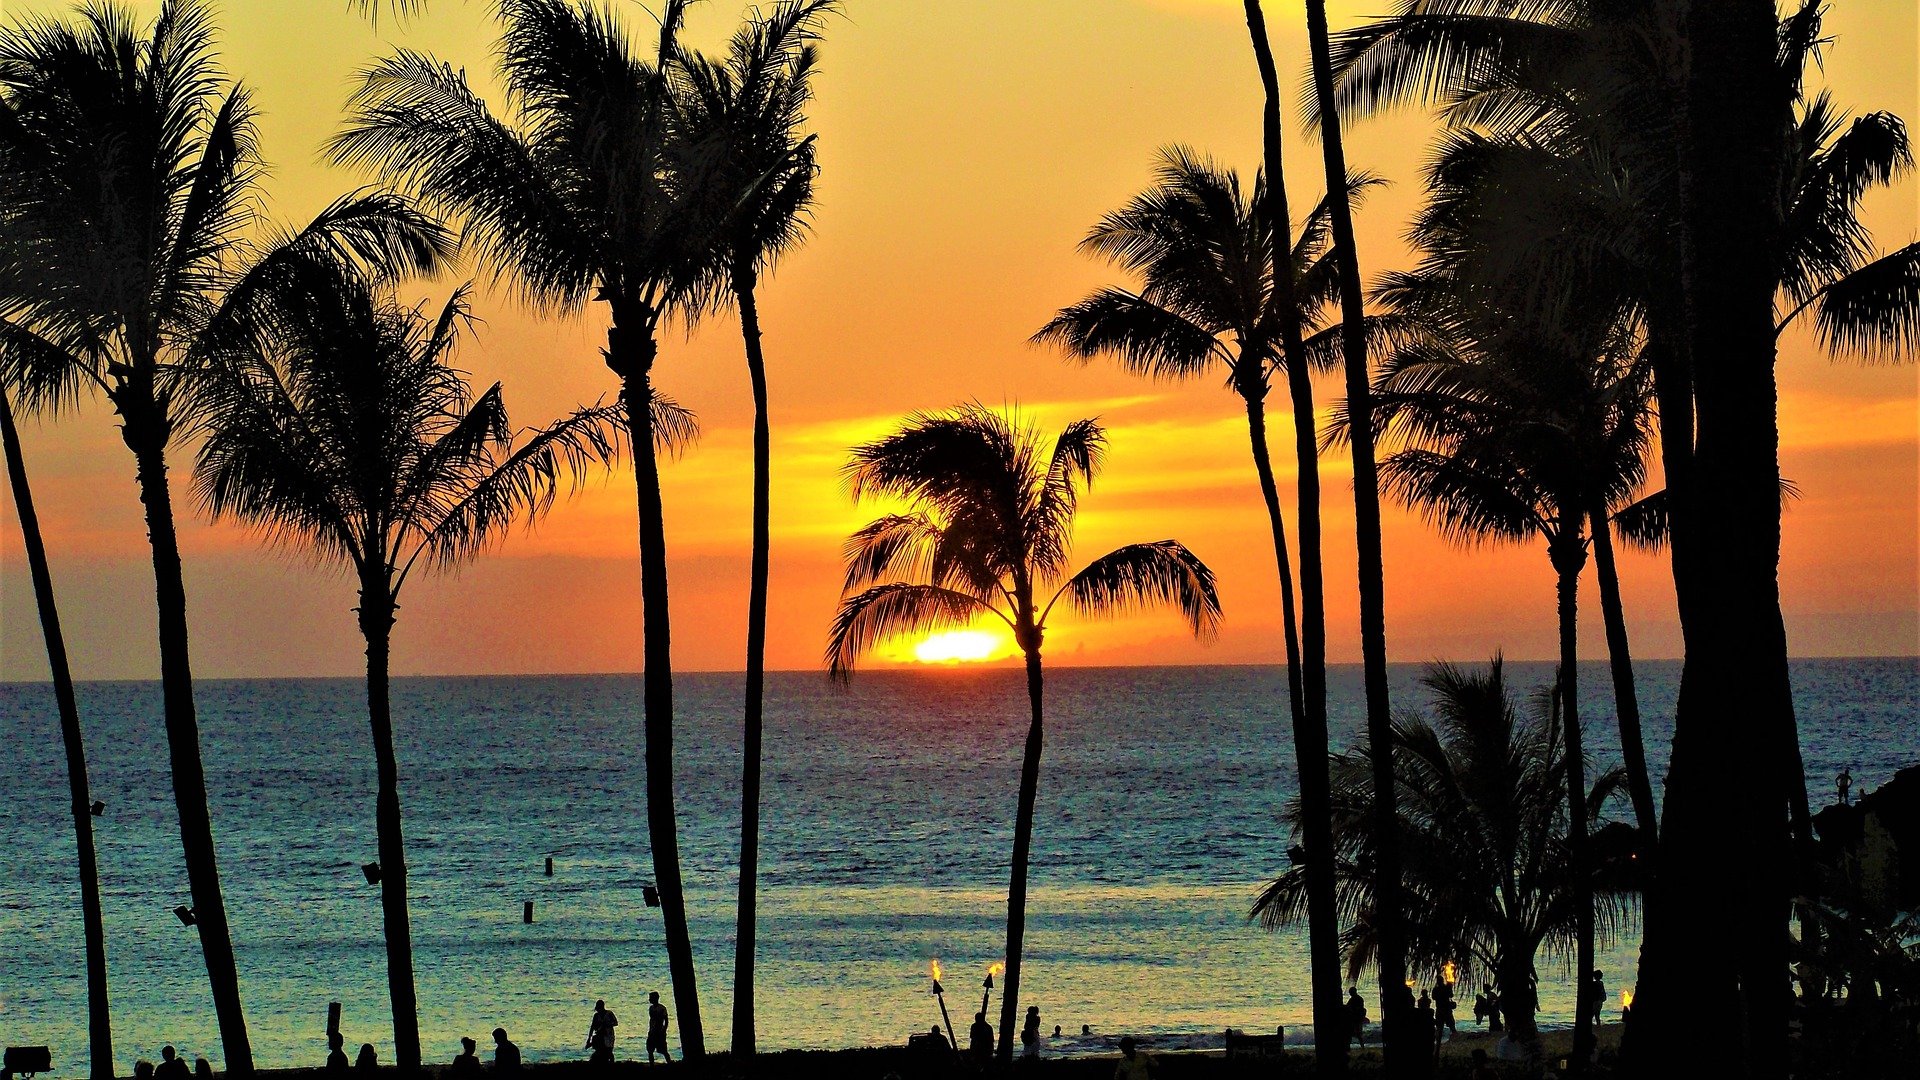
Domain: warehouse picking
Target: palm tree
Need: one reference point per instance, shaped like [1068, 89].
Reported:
[752, 105]
[588, 195]
[349, 434]
[1511, 430]
[131, 180]
[1210, 303]
[1403, 1057]
[99, 1017]
[988, 529]
[1483, 817]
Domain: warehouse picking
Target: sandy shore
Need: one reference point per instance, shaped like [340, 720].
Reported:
[879, 1063]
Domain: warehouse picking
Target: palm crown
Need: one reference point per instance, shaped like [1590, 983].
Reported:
[990, 523]
[354, 434]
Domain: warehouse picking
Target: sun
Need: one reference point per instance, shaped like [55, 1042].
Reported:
[957, 647]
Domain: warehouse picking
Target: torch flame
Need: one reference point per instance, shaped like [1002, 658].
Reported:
[995, 968]
[936, 969]
[1447, 973]
[1626, 998]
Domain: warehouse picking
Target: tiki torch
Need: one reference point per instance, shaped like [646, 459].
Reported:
[986, 987]
[940, 995]
[1626, 1004]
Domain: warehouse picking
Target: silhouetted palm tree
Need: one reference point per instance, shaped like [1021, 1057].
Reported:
[132, 174]
[1404, 1056]
[1514, 429]
[988, 531]
[99, 1017]
[1209, 304]
[1483, 816]
[588, 195]
[346, 432]
[751, 106]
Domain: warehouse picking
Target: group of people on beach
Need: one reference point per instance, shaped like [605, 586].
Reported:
[506, 1054]
[172, 1067]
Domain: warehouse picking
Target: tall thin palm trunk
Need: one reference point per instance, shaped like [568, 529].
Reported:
[1022, 838]
[1404, 1056]
[1626, 697]
[145, 431]
[748, 906]
[99, 1018]
[630, 353]
[376, 624]
[1310, 699]
[1276, 523]
[1569, 557]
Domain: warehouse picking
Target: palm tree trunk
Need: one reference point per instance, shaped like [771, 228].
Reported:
[1626, 699]
[1309, 693]
[1569, 557]
[376, 624]
[1405, 1057]
[1517, 1004]
[145, 431]
[630, 353]
[744, 931]
[1715, 955]
[99, 1019]
[1022, 848]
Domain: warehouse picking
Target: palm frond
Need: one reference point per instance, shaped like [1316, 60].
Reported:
[1874, 311]
[1141, 576]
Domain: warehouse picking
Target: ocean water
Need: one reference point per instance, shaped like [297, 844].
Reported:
[887, 821]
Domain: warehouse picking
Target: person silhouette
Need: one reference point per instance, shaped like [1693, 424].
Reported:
[1133, 1064]
[506, 1056]
[1443, 1007]
[143, 1070]
[1356, 1016]
[368, 1063]
[1844, 782]
[1597, 990]
[936, 1041]
[600, 1033]
[1030, 1035]
[171, 1066]
[1056, 1031]
[657, 1028]
[336, 1054]
[466, 1062]
[980, 1039]
[202, 1068]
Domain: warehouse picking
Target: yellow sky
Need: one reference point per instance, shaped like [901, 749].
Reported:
[966, 146]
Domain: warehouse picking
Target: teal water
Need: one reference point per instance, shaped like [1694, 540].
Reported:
[888, 818]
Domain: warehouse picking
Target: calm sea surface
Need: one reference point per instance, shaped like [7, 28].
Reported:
[887, 823]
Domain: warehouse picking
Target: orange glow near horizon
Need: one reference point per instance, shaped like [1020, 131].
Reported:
[960, 647]
[960, 167]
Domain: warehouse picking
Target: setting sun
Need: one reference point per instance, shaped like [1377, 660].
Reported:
[959, 647]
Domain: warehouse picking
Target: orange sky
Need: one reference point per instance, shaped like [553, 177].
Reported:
[966, 147]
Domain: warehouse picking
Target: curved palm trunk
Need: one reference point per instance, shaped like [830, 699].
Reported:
[1569, 556]
[376, 623]
[145, 431]
[1626, 699]
[1310, 693]
[744, 927]
[1022, 847]
[1405, 1057]
[99, 1019]
[1276, 522]
[630, 353]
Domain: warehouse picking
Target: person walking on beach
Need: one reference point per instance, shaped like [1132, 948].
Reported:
[1030, 1035]
[336, 1054]
[1134, 1063]
[657, 1028]
[506, 1056]
[466, 1062]
[1356, 1016]
[980, 1039]
[171, 1066]
[600, 1033]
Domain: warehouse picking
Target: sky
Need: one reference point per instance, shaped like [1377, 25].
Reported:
[965, 147]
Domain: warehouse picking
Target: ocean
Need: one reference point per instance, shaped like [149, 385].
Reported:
[887, 823]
